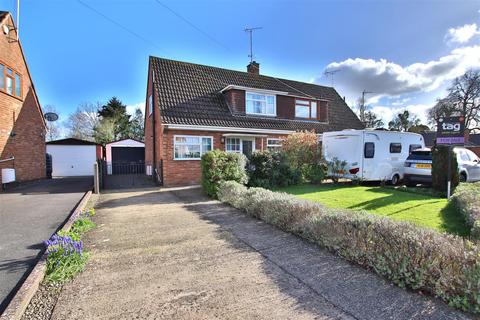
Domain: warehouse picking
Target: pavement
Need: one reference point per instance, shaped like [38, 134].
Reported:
[29, 214]
[159, 254]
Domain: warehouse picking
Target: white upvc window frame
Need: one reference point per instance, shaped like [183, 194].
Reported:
[150, 105]
[278, 144]
[202, 152]
[274, 114]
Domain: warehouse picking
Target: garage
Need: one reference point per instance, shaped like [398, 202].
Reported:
[125, 157]
[73, 157]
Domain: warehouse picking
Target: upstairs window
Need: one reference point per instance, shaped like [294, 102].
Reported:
[260, 104]
[305, 109]
[10, 81]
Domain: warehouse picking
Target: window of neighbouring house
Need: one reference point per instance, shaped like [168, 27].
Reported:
[10, 81]
[305, 109]
[274, 144]
[2, 77]
[233, 145]
[150, 104]
[191, 147]
[261, 104]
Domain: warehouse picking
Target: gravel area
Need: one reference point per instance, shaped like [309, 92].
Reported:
[42, 304]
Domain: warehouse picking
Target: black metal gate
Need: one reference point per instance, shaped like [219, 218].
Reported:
[124, 175]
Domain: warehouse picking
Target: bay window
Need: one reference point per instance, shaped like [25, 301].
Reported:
[191, 147]
[305, 109]
[261, 104]
[10, 81]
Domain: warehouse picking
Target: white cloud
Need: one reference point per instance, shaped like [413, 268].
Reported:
[462, 34]
[387, 113]
[389, 79]
[132, 107]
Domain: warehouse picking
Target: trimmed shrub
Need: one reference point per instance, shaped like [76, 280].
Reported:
[466, 196]
[302, 148]
[218, 166]
[271, 169]
[421, 259]
[440, 169]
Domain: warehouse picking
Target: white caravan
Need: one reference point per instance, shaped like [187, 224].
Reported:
[371, 155]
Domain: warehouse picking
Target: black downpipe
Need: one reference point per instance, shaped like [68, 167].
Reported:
[154, 111]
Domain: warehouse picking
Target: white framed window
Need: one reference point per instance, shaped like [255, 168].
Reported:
[191, 147]
[150, 105]
[260, 104]
[305, 109]
[233, 145]
[274, 144]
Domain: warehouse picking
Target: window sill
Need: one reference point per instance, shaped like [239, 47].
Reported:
[261, 115]
[187, 159]
[10, 95]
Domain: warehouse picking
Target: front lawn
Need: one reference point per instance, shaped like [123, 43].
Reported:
[423, 210]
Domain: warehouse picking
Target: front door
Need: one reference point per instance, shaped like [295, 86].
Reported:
[247, 147]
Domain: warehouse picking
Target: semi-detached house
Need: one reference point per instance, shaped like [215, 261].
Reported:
[192, 109]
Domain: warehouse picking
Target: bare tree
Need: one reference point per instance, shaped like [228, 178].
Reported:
[463, 99]
[82, 123]
[372, 120]
[53, 127]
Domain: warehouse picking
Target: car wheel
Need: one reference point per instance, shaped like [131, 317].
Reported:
[395, 179]
[463, 177]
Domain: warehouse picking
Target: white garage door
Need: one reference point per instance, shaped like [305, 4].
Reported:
[72, 160]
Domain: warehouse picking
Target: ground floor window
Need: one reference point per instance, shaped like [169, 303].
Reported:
[191, 147]
[233, 145]
[274, 144]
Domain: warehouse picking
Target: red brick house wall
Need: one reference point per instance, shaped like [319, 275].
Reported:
[188, 172]
[22, 128]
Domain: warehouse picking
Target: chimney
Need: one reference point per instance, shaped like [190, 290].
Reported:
[253, 67]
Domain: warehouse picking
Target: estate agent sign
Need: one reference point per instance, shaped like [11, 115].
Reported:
[451, 131]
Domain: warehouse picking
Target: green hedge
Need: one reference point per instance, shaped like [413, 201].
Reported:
[440, 169]
[218, 166]
[467, 198]
[271, 169]
[421, 259]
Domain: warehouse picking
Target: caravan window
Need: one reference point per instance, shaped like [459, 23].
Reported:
[395, 148]
[413, 147]
[369, 150]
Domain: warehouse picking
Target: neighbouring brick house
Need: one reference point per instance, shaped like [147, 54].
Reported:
[193, 108]
[22, 126]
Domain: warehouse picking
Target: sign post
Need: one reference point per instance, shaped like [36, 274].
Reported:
[450, 132]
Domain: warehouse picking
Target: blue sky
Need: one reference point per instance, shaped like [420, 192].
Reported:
[404, 51]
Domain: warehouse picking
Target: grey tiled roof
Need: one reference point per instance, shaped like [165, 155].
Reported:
[189, 94]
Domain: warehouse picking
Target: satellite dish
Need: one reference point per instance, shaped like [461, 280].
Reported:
[51, 116]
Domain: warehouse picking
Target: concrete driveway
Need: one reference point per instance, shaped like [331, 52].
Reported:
[179, 255]
[30, 214]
